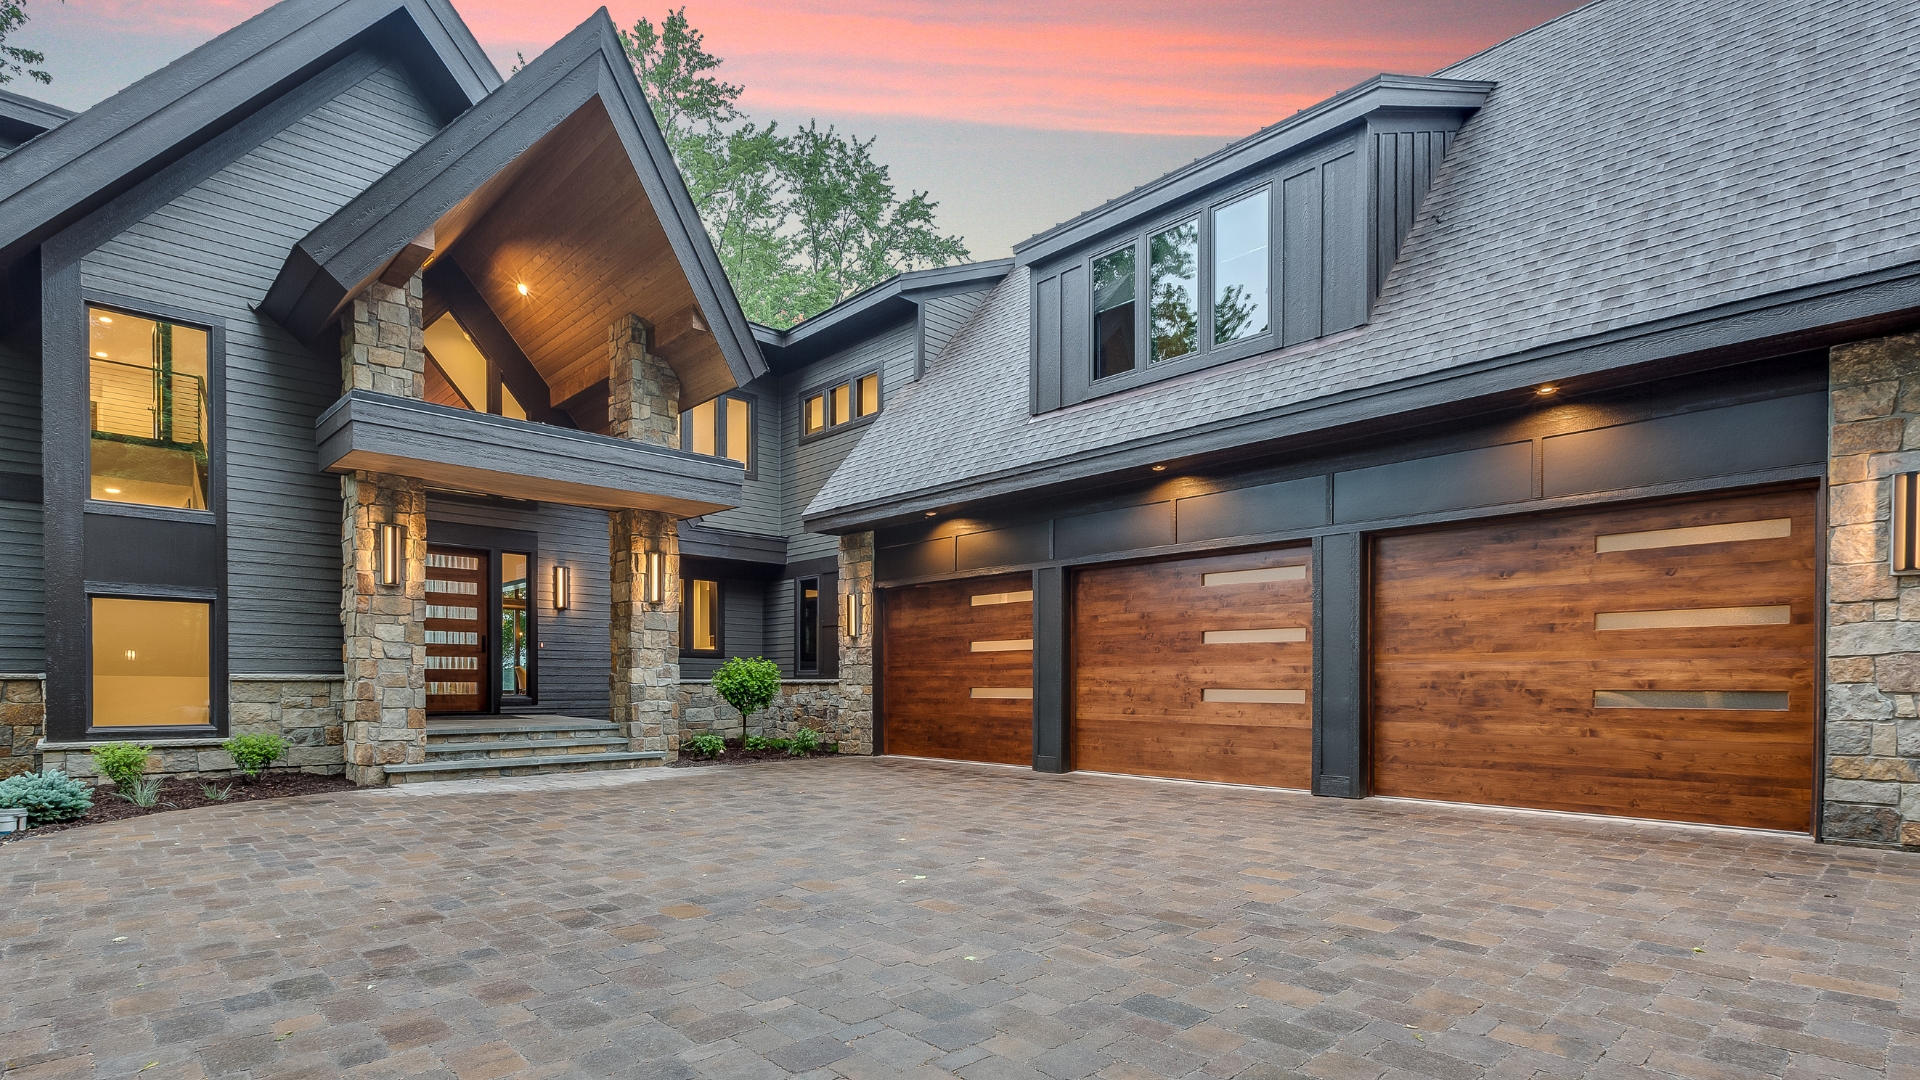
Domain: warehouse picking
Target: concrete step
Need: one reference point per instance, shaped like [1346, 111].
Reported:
[520, 747]
[475, 768]
[524, 731]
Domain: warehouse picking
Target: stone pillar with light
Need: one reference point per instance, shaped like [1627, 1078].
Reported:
[853, 728]
[383, 546]
[644, 406]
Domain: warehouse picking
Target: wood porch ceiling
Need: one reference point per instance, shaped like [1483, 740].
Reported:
[570, 219]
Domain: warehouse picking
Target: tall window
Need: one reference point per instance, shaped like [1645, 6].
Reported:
[809, 616]
[722, 427]
[1113, 293]
[1173, 283]
[459, 375]
[152, 663]
[147, 397]
[516, 625]
[1240, 269]
[849, 401]
[700, 625]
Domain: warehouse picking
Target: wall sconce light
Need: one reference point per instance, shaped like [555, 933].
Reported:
[390, 550]
[1906, 523]
[653, 587]
[562, 588]
[854, 614]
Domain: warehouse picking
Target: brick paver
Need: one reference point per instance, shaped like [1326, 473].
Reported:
[865, 919]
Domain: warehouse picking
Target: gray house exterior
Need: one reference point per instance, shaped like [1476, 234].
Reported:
[1527, 434]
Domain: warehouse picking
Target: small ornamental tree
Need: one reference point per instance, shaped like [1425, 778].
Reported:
[747, 684]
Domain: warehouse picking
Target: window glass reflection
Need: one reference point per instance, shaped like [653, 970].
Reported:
[1240, 269]
[1113, 297]
[1174, 284]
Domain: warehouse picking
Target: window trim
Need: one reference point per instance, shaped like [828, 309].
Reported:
[800, 666]
[826, 389]
[719, 616]
[720, 430]
[216, 331]
[217, 675]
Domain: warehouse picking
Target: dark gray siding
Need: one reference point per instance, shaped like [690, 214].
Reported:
[574, 663]
[760, 506]
[22, 597]
[743, 628]
[216, 249]
[812, 461]
[941, 317]
[779, 625]
[1404, 164]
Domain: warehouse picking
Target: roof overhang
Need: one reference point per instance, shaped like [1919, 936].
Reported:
[491, 455]
[871, 311]
[558, 181]
[22, 117]
[83, 163]
[1382, 93]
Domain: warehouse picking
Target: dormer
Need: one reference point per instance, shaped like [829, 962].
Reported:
[1281, 238]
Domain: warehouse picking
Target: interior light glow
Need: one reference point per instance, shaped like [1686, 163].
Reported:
[131, 655]
[111, 491]
[106, 318]
[101, 355]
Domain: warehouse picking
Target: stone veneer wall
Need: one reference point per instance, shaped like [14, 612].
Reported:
[23, 717]
[821, 704]
[1873, 616]
[644, 407]
[303, 709]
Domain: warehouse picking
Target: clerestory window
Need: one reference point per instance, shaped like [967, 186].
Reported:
[148, 411]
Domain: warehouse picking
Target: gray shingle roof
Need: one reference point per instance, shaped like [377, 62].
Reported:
[1640, 160]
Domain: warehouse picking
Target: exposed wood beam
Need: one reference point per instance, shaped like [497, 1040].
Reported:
[678, 325]
[464, 302]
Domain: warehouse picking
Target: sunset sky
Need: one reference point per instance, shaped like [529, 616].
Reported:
[1015, 113]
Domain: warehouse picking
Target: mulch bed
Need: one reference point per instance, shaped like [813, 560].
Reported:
[735, 755]
[187, 794]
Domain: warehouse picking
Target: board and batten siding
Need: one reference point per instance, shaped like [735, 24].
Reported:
[22, 592]
[760, 506]
[216, 249]
[574, 664]
[813, 460]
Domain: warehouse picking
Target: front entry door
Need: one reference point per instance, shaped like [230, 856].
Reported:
[457, 667]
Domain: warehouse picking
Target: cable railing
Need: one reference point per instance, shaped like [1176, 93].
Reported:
[140, 402]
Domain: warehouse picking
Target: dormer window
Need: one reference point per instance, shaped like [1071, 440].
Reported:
[1240, 269]
[832, 407]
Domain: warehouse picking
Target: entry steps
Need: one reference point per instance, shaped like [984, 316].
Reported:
[471, 747]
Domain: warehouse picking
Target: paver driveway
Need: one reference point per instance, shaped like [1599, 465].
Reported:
[866, 918]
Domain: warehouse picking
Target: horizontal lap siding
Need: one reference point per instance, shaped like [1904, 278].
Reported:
[216, 249]
[22, 598]
[574, 662]
[777, 627]
[742, 628]
[812, 462]
[943, 317]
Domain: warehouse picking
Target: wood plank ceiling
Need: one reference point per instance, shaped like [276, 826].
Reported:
[571, 221]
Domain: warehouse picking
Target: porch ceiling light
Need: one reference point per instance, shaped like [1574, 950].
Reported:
[391, 555]
[1548, 390]
[562, 588]
[523, 288]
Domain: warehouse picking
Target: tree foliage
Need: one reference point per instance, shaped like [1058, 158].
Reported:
[800, 219]
[16, 62]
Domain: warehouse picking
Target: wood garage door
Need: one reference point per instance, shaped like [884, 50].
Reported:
[958, 670]
[1653, 662]
[1198, 668]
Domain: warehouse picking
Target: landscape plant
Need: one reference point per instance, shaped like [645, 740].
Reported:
[142, 791]
[216, 792]
[804, 742]
[46, 797]
[252, 754]
[122, 763]
[706, 745]
[749, 684]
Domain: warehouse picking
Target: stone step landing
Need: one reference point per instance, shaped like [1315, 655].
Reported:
[466, 748]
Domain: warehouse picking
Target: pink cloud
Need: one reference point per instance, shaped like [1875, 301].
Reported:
[1119, 65]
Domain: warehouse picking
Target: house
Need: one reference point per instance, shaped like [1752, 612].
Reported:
[1530, 434]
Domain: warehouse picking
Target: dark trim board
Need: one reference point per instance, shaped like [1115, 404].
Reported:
[1781, 325]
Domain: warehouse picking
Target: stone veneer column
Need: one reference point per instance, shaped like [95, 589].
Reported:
[385, 711]
[384, 714]
[23, 719]
[854, 727]
[1873, 617]
[644, 406]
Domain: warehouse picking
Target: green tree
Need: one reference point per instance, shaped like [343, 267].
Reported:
[801, 220]
[15, 61]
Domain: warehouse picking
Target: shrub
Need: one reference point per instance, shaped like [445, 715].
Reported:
[804, 742]
[216, 792]
[756, 742]
[122, 763]
[46, 797]
[747, 684]
[142, 791]
[706, 745]
[253, 753]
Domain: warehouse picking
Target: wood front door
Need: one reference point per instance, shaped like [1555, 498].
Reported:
[958, 670]
[458, 670]
[1651, 662]
[1199, 668]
